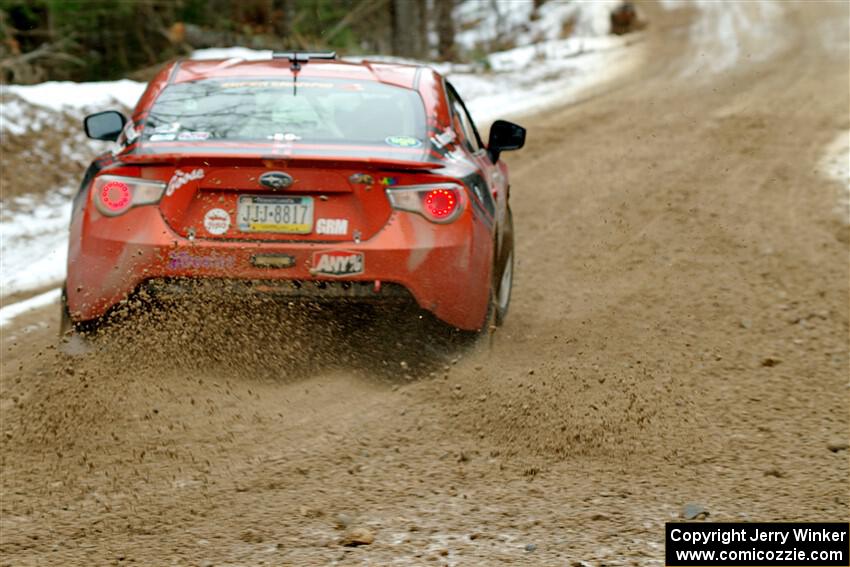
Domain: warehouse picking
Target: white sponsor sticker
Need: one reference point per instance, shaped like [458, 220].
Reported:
[171, 128]
[444, 139]
[284, 137]
[181, 178]
[217, 221]
[130, 132]
[192, 136]
[332, 226]
[338, 263]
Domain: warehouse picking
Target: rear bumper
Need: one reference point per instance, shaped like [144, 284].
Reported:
[445, 268]
[308, 290]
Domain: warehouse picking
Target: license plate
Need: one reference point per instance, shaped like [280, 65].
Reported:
[290, 215]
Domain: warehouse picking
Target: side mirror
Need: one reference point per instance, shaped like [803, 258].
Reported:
[104, 125]
[504, 136]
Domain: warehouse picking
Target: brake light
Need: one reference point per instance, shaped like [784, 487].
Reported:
[114, 195]
[441, 203]
[438, 203]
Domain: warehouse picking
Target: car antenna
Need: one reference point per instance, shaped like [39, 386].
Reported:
[294, 66]
[296, 58]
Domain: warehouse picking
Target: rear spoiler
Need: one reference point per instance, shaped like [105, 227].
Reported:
[243, 159]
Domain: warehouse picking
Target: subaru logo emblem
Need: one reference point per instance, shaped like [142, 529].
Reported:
[275, 180]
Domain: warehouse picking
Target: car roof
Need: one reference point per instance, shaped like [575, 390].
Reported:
[398, 74]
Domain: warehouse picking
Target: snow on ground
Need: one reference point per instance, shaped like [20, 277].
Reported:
[232, 53]
[537, 66]
[529, 78]
[734, 31]
[727, 32]
[485, 24]
[34, 241]
[835, 164]
[11, 311]
[56, 95]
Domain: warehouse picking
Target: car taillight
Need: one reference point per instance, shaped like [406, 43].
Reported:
[114, 195]
[441, 203]
[438, 203]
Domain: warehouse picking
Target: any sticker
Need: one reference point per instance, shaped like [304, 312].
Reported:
[162, 137]
[338, 263]
[217, 221]
[332, 226]
[403, 141]
[181, 178]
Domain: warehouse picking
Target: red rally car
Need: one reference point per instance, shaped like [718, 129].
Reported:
[299, 175]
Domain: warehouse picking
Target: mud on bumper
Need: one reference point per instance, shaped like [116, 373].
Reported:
[446, 270]
[302, 290]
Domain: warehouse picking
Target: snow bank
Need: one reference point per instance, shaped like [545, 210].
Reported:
[34, 241]
[482, 24]
[530, 78]
[232, 53]
[59, 95]
[8, 313]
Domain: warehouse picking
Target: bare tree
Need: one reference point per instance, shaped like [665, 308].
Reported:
[408, 40]
[283, 12]
[422, 31]
[445, 29]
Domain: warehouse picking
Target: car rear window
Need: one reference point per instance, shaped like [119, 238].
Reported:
[317, 110]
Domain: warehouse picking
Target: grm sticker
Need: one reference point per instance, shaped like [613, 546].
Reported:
[332, 226]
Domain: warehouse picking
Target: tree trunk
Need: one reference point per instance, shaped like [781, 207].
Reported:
[407, 28]
[445, 29]
[284, 14]
[422, 33]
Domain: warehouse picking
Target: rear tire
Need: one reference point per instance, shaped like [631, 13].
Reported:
[504, 267]
[500, 287]
[66, 325]
[74, 337]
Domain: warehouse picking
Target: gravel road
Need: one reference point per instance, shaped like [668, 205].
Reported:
[678, 336]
